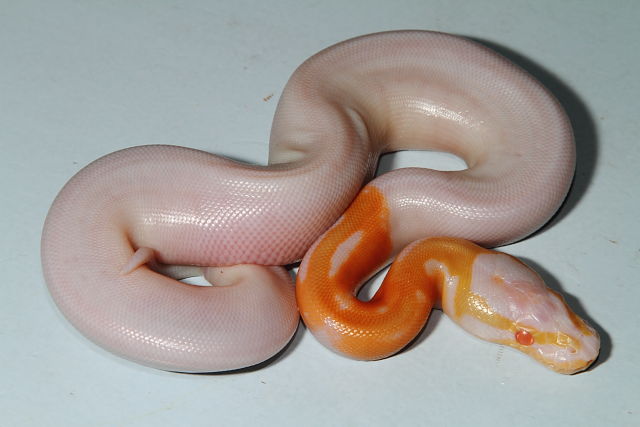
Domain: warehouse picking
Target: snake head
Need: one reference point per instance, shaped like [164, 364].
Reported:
[508, 303]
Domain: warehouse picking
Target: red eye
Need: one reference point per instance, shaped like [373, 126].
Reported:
[524, 337]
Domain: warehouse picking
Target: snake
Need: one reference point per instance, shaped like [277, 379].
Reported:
[124, 231]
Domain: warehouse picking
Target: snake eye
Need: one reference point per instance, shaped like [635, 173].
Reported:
[524, 337]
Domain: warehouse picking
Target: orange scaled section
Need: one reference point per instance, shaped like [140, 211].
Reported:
[327, 283]
[327, 301]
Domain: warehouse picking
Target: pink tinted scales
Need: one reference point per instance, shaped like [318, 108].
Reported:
[340, 110]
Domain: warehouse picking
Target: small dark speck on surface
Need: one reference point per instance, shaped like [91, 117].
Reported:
[499, 354]
[268, 97]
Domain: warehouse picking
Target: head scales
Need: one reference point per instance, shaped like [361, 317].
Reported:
[506, 302]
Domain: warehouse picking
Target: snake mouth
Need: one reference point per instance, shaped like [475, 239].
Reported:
[589, 363]
[571, 368]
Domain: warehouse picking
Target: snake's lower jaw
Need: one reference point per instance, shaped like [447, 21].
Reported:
[568, 361]
[571, 367]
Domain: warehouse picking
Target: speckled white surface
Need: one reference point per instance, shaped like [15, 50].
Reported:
[79, 80]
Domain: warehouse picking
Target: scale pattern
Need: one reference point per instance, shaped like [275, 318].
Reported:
[340, 110]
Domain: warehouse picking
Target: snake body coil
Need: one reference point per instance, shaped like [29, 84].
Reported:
[118, 226]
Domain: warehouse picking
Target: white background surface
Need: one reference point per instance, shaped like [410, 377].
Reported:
[81, 79]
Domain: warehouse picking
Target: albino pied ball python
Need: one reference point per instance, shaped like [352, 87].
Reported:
[118, 232]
